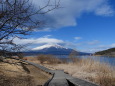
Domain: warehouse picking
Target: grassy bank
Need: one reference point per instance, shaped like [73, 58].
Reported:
[87, 69]
[13, 74]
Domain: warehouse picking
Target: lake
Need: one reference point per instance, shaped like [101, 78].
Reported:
[106, 59]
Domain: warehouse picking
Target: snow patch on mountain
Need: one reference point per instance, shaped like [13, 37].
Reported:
[48, 46]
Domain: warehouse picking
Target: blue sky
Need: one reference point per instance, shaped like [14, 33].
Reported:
[84, 25]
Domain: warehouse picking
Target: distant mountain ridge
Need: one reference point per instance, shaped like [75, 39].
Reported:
[108, 52]
[53, 49]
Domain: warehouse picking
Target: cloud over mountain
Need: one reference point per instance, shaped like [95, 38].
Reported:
[45, 40]
[42, 40]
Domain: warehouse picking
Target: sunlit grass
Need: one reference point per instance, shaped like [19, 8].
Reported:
[87, 69]
[13, 74]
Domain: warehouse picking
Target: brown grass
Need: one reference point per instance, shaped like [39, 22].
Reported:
[39, 76]
[49, 59]
[102, 73]
[15, 75]
[88, 69]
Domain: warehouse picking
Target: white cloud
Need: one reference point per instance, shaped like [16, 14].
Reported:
[72, 9]
[104, 10]
[42, 29]
[47, 46]
[45, 40]
[42, 40]
[98, 48]
[106, 46]
[112, 45]
[47, 36]
[93, 42]
[93, 49]
[78, 38]
[48, 39]
[42, 47]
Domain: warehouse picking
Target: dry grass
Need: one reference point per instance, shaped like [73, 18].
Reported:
[102, 73]
[48, 59]
[32, 59]
[39, 76]
[90, 70]
[15, 75]
[87, 69]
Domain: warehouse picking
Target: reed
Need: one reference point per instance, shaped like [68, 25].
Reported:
[88, 69]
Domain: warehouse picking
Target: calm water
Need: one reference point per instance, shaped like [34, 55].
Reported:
[109, 60]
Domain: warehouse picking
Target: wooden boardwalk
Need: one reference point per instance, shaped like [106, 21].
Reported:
[60, 78]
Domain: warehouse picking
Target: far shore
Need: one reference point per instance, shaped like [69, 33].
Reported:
[109, 56]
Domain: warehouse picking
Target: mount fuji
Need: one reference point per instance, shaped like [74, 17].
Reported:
[53, 49]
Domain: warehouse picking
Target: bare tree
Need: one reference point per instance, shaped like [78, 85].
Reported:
[16, 19]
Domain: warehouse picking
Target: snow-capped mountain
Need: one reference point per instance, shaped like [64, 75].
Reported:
[48, 46]
[53, 49]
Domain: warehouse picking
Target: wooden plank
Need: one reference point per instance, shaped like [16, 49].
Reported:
[79, 82]
[58, 79]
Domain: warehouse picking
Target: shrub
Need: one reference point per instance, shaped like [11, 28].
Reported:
[48, 59]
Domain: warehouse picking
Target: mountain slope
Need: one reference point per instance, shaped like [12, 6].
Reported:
[53, 49]
[108, 52]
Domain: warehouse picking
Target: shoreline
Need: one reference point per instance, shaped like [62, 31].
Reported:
[109, 56]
